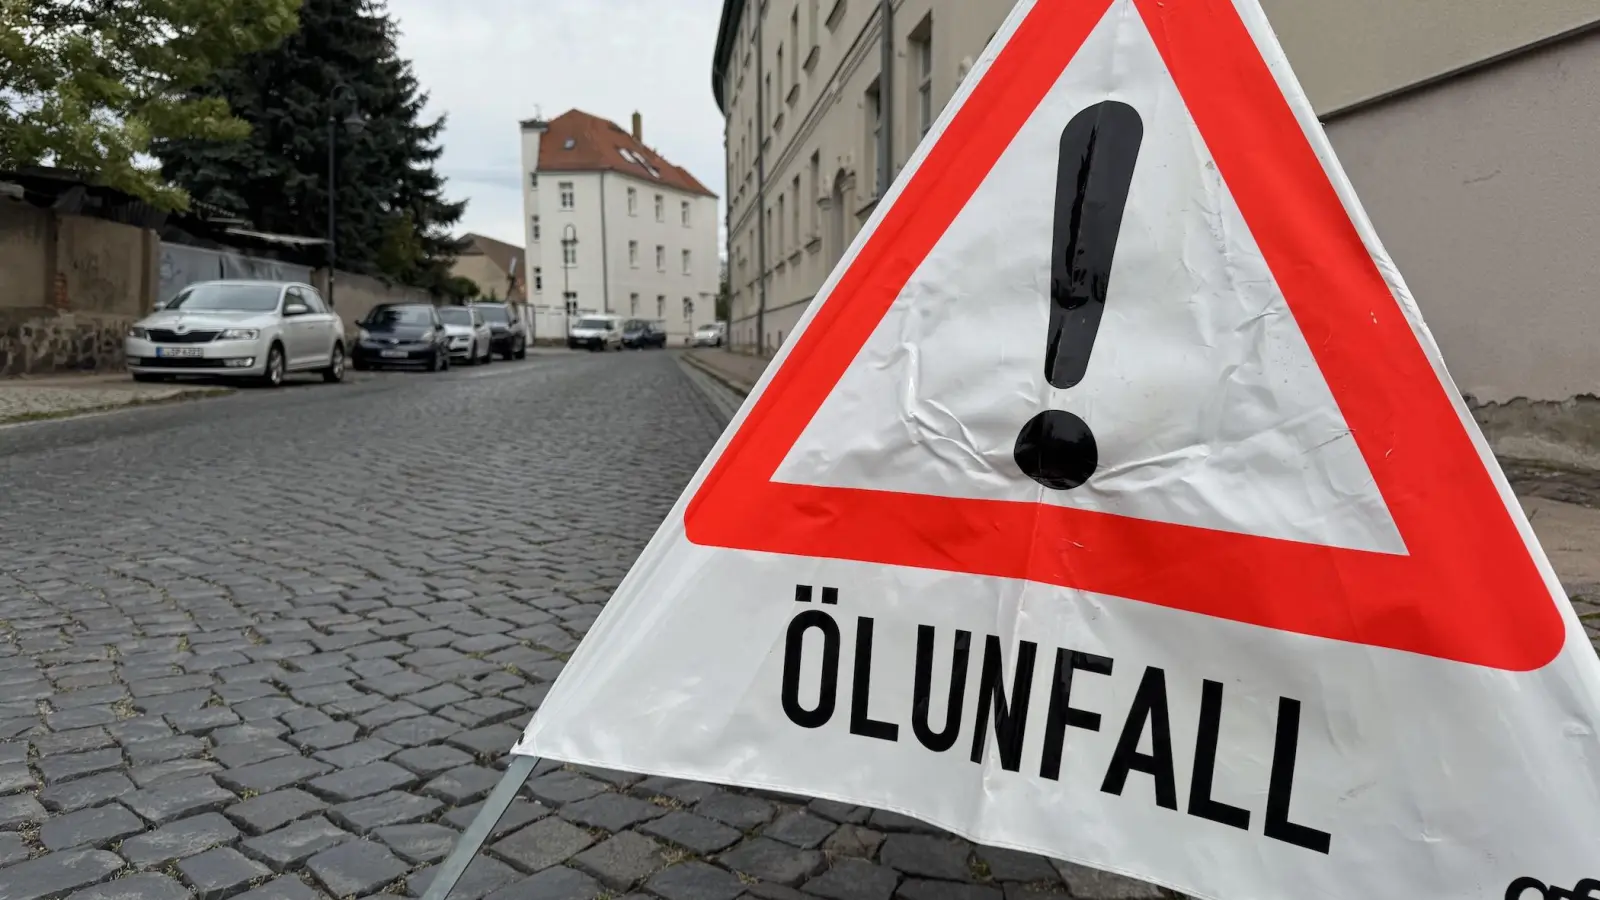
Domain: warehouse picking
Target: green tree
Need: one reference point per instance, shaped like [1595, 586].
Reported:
[724, 296]
[90, 85]
[393, 219]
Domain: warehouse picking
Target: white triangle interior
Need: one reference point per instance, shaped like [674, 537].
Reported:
[1204, 399]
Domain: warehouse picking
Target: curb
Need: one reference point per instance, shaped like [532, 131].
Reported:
[136, 403]
[719, 376]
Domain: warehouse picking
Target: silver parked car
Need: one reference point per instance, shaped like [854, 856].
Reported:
[471, 339]
[256, 329]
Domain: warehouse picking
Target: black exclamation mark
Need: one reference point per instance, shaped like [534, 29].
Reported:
[1093, 175]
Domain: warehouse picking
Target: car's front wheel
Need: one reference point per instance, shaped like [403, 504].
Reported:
[522, 349]
[273, 375]
[334, 373]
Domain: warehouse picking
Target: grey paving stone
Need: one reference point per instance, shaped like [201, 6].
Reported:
[389, 713]
[56, 874]
[622, 860]
[220, 873]
[165, 749]
[545, 843]
[1021, 890]
[695, 833]
[771, 861]
[922, 889]
[82, 717]
[738, 810]
[295, 843]
[85, 792]
[95, 827]
[613, 812]
[355, 868]
[306, 719]
[175, 800]
[854, 879]
[357, 754]
[270, 812]
[518, 814]
[67, 766]
[12, 752]
[883, 820]
[325, 737]
[180, 839]
[1095, 884]
[483, 712]
[695, 881]
[799, 829]
[559, 883]
[362, 781]
[174, 770]
[439, 696]
[854, 841]
[417, 731]
[148, 886]
[462, 785]
[563, 787]
[493, 740]
[204, 720]
[20, 809]
[688, 792]
[421, 843]
[139, 729]
[173, 703]
[284, 887]
[16, 777]
[250, 731]
[248, 753]
[390, 808]
[483, 877]
[927, 856]
[273, 774]
[264, 708]
[1010, 865]
[79, 740]
[13, 848]
[430, 761]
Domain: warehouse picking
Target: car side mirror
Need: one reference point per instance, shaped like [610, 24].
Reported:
[296, 309]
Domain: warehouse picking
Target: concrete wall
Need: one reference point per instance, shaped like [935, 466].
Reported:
[69, 288]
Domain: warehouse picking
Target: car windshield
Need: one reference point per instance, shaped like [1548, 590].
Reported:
[455, 315]
[708, 329]
[600, 324]
[233, 297]
[634, 326]
[391, 316]
[495, 314]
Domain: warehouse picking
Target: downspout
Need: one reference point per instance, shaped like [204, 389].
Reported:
[605, 246]
[886, 99]
[761, 186]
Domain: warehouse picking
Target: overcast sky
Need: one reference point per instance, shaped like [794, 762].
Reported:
[492, 63]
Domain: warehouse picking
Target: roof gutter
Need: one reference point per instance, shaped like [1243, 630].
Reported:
[727, 30]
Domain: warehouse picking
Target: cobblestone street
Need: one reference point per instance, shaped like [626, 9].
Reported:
[277, 644]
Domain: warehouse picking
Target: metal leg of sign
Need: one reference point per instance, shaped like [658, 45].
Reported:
[488, 817]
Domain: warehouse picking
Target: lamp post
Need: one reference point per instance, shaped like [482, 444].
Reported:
[569, 248]
[353, 123]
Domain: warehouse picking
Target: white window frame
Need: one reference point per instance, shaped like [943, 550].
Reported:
[569, 194]
[687, 260]
[633, 201]
[633, 304]
[683, 212]
[537, 230]
[538, 279]
[633, 254]
[661, 208]
[924, 60]
[661, 258]
[569, 255]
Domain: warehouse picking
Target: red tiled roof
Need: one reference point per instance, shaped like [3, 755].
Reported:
[598, 145]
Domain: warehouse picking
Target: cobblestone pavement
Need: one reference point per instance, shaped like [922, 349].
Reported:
[276, 645]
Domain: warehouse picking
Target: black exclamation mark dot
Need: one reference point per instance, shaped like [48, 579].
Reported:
[1094, 172]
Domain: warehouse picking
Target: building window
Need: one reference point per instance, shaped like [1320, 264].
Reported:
[661, 258]
[661, 305]
[816, 191]
[633, 304]
[688, 310]
[569, 254]
[686, 258]
[779, 243]
[683, 213]
[875, 148]
[922, 73]
[572, 302]
[533, 181]
[661, 209]
[794, 46]
[538, 279]
[794, 215]
[535, 229]
[811, 21]
[773, 111]
[633, 254]
[568, 198]
[633, 201]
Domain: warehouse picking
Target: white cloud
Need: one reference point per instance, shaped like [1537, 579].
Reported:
[491, 63]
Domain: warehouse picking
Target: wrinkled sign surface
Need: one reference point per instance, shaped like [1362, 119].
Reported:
[1113, 503]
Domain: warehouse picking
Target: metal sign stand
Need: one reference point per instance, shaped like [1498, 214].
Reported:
[483, 824]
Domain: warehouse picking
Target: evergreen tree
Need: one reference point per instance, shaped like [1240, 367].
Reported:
[392, 216]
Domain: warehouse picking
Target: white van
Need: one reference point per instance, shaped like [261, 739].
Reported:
[710, 335]
[595, 331]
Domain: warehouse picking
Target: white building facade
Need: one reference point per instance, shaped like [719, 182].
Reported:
[612, 227]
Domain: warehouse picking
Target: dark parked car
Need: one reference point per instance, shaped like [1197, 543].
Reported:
[641, 334]
[510, 336]
[402, 334]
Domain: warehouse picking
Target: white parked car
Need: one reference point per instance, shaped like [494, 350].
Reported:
[253, 329]
[708, 335]
[596, 332]
[471, 339]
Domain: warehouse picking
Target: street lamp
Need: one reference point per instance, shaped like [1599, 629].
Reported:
[569, 249]
[354, 122]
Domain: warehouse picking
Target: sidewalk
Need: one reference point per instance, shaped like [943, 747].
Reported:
[1568, 528]
[29, 399]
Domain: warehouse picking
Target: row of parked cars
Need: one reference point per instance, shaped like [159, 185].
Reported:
[607, 332]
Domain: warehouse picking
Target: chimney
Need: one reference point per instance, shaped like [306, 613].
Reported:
[638, 127]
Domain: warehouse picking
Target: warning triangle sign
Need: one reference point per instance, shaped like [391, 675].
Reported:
[1113, 502]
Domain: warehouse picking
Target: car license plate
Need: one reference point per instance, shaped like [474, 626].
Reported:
[177, 352]
[394, 354]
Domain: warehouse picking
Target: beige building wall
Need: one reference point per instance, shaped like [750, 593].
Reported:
[1467, 127]
[483, 272]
